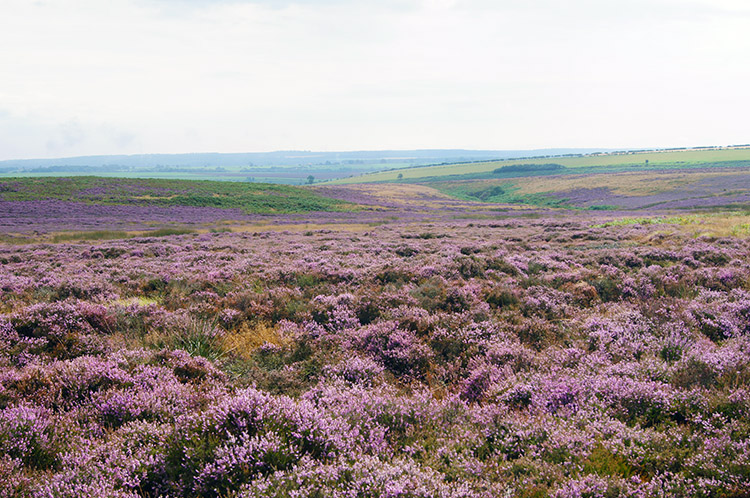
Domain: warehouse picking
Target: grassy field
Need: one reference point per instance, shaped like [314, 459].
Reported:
[288, 174]
[250, 197]
[537, 189]
[595, 163]
[718, 224]
[195, 174]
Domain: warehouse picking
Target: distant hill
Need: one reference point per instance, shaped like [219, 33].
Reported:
[290, 167]
[282, 158]
[705, 178]
[595, 162]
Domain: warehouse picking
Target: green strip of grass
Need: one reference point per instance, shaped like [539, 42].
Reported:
[115, 234]
[250, 197]
[506, 193]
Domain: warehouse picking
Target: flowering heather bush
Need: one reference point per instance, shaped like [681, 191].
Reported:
[518, 358]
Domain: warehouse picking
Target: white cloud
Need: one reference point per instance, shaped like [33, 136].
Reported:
[133, 76]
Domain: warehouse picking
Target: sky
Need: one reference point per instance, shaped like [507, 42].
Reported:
[82, 77]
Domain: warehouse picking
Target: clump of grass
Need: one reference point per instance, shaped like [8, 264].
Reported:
[197, 338]
[165, 232]
[248, 337]
[95, 235]
[604, 462]
[138, 300]
[654, 220]
[114, 234]
[17, 239]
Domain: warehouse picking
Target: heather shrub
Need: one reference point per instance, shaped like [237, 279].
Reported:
[59, 330]
[158, 393]
[518, 397]
[247, 435]
[714, 324]
[502, 266]
[502, 357]
[583, 294]
[367, 309]
[501, 296]
[356, 370]
[545, 302]
[188, 368]
[637, 402]
[431, 294]
[470, 266]
[400, 351]
[537, 332]
[418, 320]
[603, 462]
[335, 313]
[14, 481]
[394, 275]
[475, 386]
[517, 357]
[694, 373]
[25, 434]
[365, 476]
[627, 335]
[674, 345]
[461, 341]
[64, 384]
[608, 288]
[130, 464]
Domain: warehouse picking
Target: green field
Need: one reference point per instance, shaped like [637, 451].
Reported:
[250, 197]
[193, 174]
[594, 163]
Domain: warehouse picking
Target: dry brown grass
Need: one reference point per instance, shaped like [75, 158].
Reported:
[419, 197]
[248, 337]
[629, 184]
[697, 225]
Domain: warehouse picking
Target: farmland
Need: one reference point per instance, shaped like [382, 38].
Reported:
[166, 338]
[591, 163]
[677, 180]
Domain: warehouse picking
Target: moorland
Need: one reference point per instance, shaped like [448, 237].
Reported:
[563, 327]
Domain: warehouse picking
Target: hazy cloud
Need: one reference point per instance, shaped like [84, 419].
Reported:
[241, 75]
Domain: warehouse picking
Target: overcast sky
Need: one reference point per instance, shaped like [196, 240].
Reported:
[81, 77]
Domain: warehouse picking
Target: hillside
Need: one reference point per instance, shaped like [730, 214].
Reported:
[669, 179]
[576, 164]
[290, 167]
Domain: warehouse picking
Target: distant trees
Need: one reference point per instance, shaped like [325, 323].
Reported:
[528, 168]
[310, 179]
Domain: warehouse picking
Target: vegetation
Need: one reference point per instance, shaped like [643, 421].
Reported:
[579, 164]
[528, 168]
[250, 197]
[517, 357]
[503, 193]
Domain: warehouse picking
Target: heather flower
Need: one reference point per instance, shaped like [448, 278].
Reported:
[399, 350]
[366, 476]
[502, 356]
[357, 370]
[25, 435]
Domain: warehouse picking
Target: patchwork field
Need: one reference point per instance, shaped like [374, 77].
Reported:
[403, 343]
[665, 180]
[611, 162]
[664, 190]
